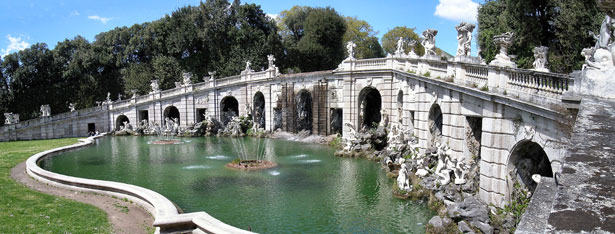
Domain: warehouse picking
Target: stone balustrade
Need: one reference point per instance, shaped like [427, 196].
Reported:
[528, 85]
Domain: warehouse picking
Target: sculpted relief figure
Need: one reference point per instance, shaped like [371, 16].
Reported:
[464, 38]
[270, 60]
[429, 42]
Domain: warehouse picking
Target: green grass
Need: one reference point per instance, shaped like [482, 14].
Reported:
[23, 210]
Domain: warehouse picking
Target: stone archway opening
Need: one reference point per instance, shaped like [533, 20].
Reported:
[121, 122]
[370, 104]
[303, 103]
[172, 113]
[259, 110]
[400, 107]
[527, 159]
[435, 125]
[229, 108]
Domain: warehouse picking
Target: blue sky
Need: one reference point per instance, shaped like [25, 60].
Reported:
[26, 22]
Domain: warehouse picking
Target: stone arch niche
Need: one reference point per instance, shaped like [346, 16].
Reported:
[171, 112]
[229, 108]
[303, 103]
[121, 121]
[370, 104]
[526, 159]
[400, 107]
[435, 126]
[259, 109]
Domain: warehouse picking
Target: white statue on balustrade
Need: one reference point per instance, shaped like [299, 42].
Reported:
[10, 118]
[134, 93]
[71, 107]
[599, 68]
[412, 44]
[400, 48]
[45, 111]
[464, 38]
[350, 48]
[502, 59]
[108, 99]
[247, 69]
[119, 97]
[429, 42]
[540, 56]
[155, 87]
[187, 78]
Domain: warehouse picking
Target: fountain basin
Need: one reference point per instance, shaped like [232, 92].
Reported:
[310, 191]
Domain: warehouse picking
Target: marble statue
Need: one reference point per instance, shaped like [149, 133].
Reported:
[45, 111]
[119, 96]
[187, 78]
[134, 93]
[248, 69]
[270, 60]
[412, 44]
[400, 47]
[71, 107]
[429, 42]
[350, 48]
[402, 180]
[540, 56]
[502, 59]
[155, 87]
[212, 75]
[10, 118]
[464, 38]
[108, 100]
[460, 172]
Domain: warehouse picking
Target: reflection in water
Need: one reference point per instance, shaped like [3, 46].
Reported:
[310, 191]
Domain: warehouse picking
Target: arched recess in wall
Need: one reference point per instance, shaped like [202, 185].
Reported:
[172, 113]
[259, 109]
[400, 107]
[121, 121]
[229, 107]
[435, 125]
[370, 104]
[527, 158]
[303, 103]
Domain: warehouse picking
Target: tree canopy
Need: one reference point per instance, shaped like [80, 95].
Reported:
[364, 36]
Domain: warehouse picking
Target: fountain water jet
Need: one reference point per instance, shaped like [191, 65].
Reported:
[249, 161]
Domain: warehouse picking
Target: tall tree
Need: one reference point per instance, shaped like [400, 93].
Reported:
[314, 38]
[364, 36]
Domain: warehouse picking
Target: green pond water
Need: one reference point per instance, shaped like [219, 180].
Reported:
[311, 191]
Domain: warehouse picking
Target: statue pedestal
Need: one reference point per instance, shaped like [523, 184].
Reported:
[599, 83]
[503, 63]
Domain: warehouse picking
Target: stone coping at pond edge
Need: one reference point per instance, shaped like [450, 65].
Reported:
[167, 217]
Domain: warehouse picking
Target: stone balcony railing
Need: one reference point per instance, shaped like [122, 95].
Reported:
[530, 85]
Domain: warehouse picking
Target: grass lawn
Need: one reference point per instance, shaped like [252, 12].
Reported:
[23, 210]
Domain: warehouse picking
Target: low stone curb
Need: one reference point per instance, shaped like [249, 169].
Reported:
[166, 216]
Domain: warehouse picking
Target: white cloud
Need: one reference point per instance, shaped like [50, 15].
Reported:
[75, 13]
[273, 16]
[103, 20]
[15, 44]
[457, 10]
